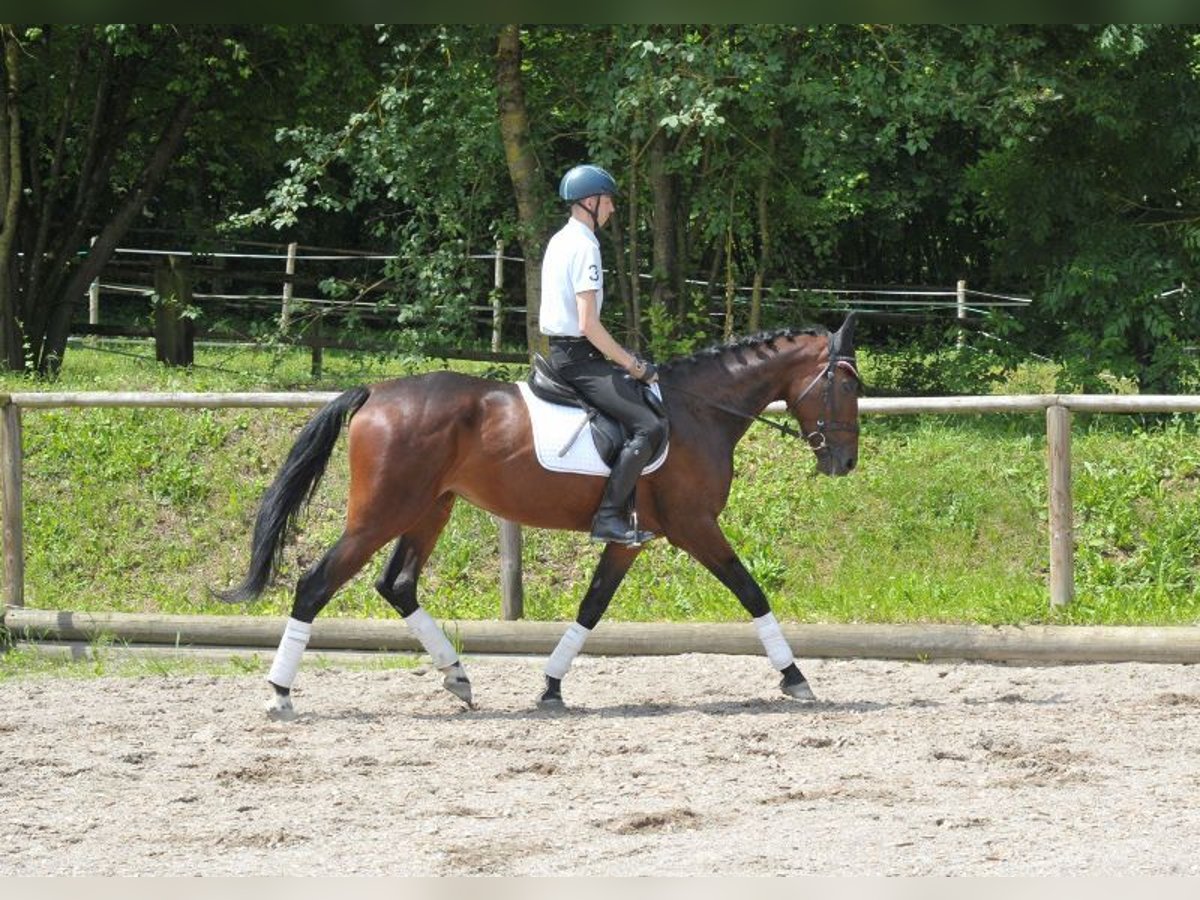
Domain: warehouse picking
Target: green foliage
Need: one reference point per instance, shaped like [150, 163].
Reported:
[100, 661]
[1097, 205]
[669, 337]
[1137, 521]
[154, 124]
[1053, 160]
[421, 166]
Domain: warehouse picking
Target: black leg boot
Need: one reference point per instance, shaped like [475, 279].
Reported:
[612, 523]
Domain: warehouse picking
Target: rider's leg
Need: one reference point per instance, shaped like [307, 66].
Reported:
[610, 389]
[613, 522]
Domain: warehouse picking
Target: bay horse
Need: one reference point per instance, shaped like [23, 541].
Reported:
[418, 443]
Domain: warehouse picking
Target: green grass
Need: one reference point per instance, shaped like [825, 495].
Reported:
[944, 521]
[105, 659]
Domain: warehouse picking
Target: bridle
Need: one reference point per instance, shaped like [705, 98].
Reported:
[816, 438]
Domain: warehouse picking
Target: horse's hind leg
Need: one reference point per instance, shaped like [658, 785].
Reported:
[398, 585]
[339, 564]
[614, 563]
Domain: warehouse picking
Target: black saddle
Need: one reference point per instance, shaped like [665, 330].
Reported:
[609, 434]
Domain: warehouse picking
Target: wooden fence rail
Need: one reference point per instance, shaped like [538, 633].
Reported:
[1057, 408]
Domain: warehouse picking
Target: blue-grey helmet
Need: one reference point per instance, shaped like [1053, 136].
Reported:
[586, 181]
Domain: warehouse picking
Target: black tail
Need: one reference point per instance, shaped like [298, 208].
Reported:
[293, 486]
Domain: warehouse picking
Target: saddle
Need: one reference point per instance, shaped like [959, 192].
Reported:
[608, 434]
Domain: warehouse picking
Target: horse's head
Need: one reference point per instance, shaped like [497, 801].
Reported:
[824, 399]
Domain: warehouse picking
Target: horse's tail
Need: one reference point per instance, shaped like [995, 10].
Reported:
[290, 492]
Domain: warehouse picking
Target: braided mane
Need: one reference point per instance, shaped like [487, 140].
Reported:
[751, 342]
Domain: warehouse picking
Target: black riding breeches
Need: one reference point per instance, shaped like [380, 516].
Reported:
[608, 387]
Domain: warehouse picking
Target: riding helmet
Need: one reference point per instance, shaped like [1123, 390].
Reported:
[586, 181]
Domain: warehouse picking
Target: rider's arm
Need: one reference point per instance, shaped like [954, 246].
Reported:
[593, 329]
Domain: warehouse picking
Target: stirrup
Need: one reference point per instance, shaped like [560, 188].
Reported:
[618, 530]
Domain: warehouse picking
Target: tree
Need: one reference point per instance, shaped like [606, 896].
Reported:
[421, 165]
[1055, 159]
[96, 118]
[12, 186]
[527, 179]
[58, 187]
[1094, 195]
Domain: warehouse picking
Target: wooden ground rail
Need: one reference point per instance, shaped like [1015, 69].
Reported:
[80, 634]
[1057, 408]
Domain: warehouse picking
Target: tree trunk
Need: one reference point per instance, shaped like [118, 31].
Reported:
[12, 354]
[634, 312]
[47, 191]
[617, 233]
[714, 270]
[59, 321]
[665, 256]
[764, 233]
[174, 327]
[525, 172]
[730, 284]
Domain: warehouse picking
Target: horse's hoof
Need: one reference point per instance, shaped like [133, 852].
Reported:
[280, 709]
[797, 690]
[551, 698]
[460, 688]
[457, 683]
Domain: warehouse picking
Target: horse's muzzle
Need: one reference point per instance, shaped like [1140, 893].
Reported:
[832, 462]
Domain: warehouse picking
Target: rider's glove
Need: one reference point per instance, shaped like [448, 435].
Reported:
[644, 371]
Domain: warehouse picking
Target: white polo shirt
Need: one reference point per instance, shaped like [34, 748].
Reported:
[571, 265]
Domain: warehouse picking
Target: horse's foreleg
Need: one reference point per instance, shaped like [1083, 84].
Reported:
[614, 563]
[313, 591]
[398, 585]
[708, 545]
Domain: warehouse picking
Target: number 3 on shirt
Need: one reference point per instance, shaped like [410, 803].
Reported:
[594, 273]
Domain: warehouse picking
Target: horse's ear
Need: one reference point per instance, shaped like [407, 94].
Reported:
[843, 340]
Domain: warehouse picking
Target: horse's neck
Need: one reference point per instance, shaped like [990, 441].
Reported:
[763, 379]
[749, 381]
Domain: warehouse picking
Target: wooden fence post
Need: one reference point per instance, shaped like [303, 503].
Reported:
[512, 589]
[285, 313]
[497, 298]
[94, 296]
[960, 293]
[1062, 527]
[10, 489]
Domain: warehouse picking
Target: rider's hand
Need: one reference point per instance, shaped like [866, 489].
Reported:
[644, 371]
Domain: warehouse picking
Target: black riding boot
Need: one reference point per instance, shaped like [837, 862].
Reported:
[613, 523]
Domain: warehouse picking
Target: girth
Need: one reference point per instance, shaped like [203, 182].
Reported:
[608, 433]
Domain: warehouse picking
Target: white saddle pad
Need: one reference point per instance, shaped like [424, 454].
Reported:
[554, 425]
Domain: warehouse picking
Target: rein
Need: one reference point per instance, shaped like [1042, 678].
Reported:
[753, 417]
[834, 364]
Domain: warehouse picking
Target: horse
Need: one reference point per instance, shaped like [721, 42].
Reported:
[418, 443]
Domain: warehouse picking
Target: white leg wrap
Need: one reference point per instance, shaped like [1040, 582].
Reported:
[568, 648]
[291, 648]
[771, 635]
[432, 638]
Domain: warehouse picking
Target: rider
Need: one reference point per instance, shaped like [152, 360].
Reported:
[584, 352]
